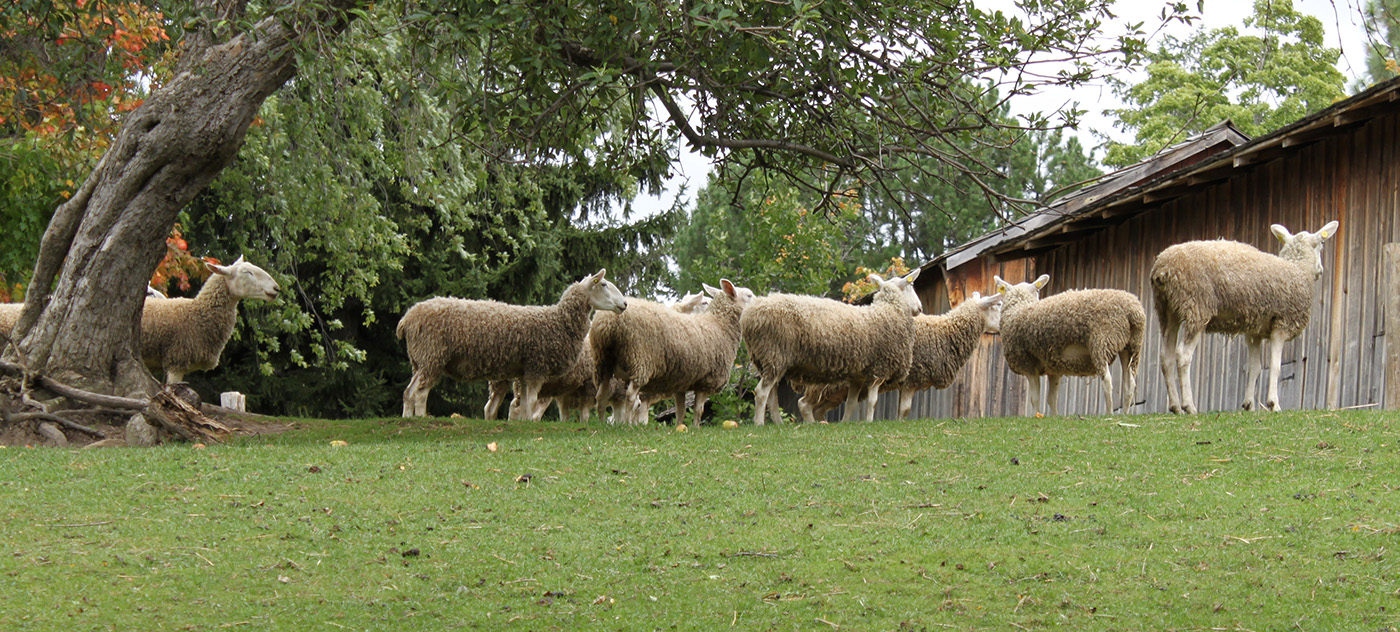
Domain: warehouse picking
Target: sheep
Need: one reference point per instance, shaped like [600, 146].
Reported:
[1228, 287]
[942, 345]
[1078, 332]
[575, 389]
[470, 340]
[180, 335]
[654, 349]
[817, 340]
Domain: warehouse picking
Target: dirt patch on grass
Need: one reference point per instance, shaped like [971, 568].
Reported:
[113, 426]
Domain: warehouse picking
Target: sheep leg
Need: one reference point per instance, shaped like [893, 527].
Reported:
[906, 402]
[1254, 360]
[528, 402]
[1107, 375]
[805, 407]
[1275, 364]
[1033, 393]
[699, 414]
[872, 393]
[775, 412]
[680, 408]
[1129, 383]
[542, 406]
[852, 401]
[415, 397]
[1052, 395]
[1171, 332]
[760, 399]
[603, 396]
[584, 413]
[1185, 353]
[497, 391]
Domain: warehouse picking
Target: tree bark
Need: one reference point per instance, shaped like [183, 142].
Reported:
[81, 319]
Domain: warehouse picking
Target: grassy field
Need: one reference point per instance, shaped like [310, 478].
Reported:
[1215, 522]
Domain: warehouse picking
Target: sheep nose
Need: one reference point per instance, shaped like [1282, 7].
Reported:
[622, 307]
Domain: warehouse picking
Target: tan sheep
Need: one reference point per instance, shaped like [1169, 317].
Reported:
[816, 340]
[180, 335]
[942, 345]
[654, 349]
[1078, 332]
[1228, 287]
[471, 340]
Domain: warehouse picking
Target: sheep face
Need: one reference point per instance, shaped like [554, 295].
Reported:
[990, 307]
[741, 296]
[1013, 295]
[904, 286]
[603, 295]
[1304, 248]
[695, 303]
[246, 280]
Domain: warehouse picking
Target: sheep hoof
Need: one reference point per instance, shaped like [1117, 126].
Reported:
[1189, 410]
[1248, 404]
[1271, 405]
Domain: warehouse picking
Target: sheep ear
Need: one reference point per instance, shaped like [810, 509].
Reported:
[728, 287]
[1002, 286]
[1327, 231]
[1040, 283]
[874, 278]
[711, 290]
[1281, 232]
[976, 295]
[994, 299]
[237, 261]
[909, 278]
[598, 277]
[218, 269]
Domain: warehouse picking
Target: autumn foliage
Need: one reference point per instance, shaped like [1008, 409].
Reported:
[856, 290]
[178, 266]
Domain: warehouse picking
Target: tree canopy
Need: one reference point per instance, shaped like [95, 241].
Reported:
[1261, 79]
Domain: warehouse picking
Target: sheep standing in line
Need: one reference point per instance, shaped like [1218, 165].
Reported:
[180, 335]
[816, 340]
[942, 345]
[470, 340]
[575, 389]
[654, 349]
[1078, 332]
[1228, 287]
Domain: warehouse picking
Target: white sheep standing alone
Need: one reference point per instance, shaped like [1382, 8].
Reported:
[655, 349]
[1228, 287]
[471, 340]
[180, 335]
[942, 345]
[815, 340]
[1078, 332]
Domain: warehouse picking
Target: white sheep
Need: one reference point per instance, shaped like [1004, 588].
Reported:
[1228, 287]
[180, 335]
[470, 340]
[1078, 332]
[575, 389]
[655, 349]
[815, 340]
[942, 345]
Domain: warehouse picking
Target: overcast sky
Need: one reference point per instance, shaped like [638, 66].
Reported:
[1342, 19]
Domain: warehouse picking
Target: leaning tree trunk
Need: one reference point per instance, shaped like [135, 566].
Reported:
[82, 312]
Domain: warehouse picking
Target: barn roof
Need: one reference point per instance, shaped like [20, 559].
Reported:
[1212, 156]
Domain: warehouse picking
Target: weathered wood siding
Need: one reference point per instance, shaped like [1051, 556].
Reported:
[1338, 361]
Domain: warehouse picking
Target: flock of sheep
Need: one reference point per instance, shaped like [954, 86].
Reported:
[633, 353]
[596, 348]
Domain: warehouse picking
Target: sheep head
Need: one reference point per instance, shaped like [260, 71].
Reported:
[245, 280]
[602, 294]
[740, 295]
[990, 306]
[1014, 295]
[903, 286]
[1304, 249]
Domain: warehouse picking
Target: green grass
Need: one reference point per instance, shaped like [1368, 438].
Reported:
[1233, 521]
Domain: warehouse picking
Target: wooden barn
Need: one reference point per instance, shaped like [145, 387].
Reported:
[1341, 163]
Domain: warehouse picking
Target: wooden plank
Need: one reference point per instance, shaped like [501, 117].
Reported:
[1392, 327]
